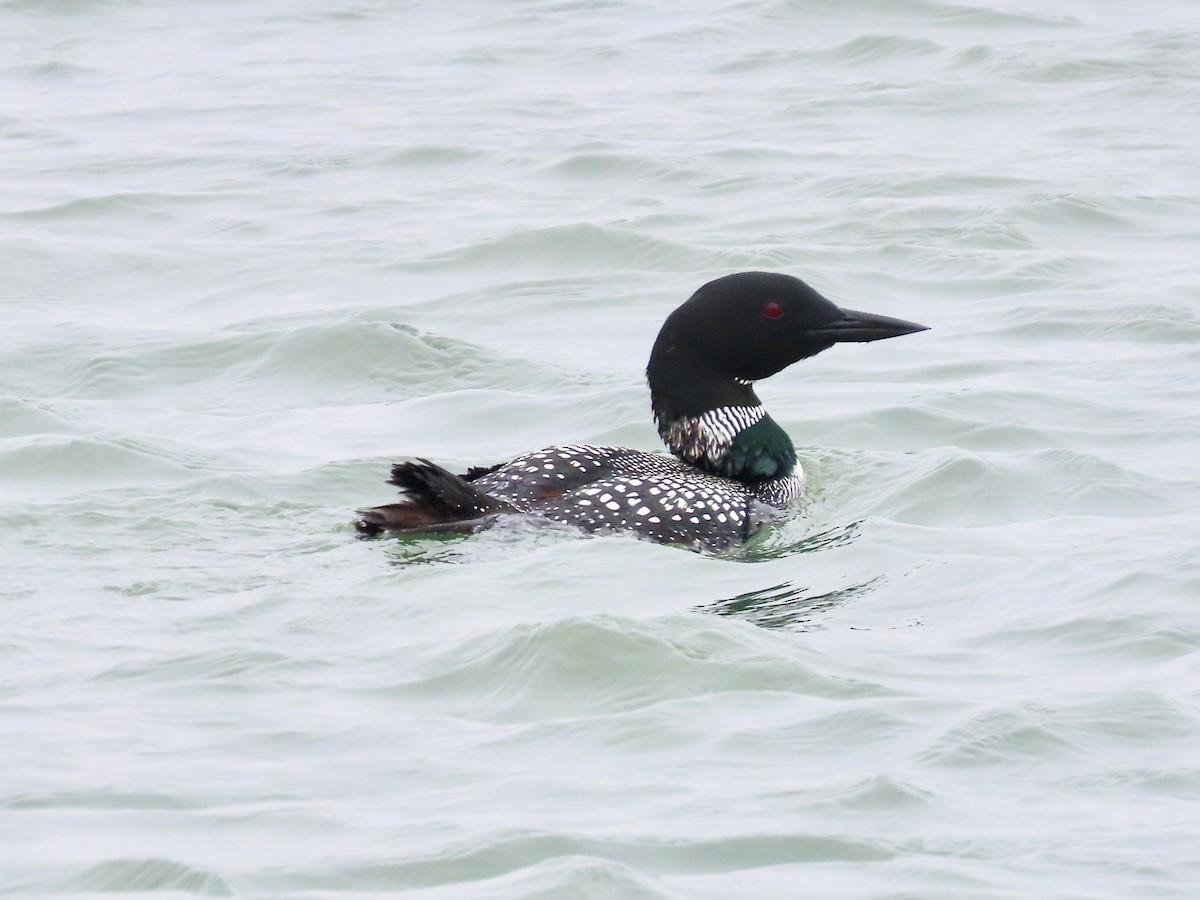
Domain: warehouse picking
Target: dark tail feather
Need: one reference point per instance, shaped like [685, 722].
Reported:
[436, 501]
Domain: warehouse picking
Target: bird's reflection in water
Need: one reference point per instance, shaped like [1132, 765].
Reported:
[781, 541]
[501, 538]
[784, 605]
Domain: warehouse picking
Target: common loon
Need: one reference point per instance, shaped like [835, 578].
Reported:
[735, 468]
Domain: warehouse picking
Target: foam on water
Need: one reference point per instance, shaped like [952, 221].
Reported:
[254, 253]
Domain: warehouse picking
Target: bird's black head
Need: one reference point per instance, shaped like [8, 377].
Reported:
[738, 329]
[753, 324]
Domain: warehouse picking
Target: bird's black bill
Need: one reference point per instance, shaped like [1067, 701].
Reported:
[860, 327]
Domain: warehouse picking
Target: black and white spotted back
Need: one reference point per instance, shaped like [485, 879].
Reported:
[614, 488]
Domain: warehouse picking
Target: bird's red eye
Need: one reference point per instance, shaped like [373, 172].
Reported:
[772, 310]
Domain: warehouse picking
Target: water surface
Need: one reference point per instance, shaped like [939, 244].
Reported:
[253, 253]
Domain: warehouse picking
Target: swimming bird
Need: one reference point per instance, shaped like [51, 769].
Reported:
[733, 467]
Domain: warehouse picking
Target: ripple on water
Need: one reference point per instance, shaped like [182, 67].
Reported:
[1142, 323]
[68, 462]
[977, 489]
[1086, 731]
[626, 168]
[146, 875]
[97, 799]
[577, 667]
[1027, 735]
[1136, 783]
[20, 418]
[578, 248]
[1143, 637]
[861, 51]
[225, 669]
[145, 209]
[499, 853]
[278, 357]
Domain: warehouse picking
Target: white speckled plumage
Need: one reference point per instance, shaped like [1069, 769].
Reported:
[615, 488]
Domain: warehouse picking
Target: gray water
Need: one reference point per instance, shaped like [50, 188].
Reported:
[253, 253]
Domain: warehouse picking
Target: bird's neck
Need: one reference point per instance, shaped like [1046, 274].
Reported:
[714, 421]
